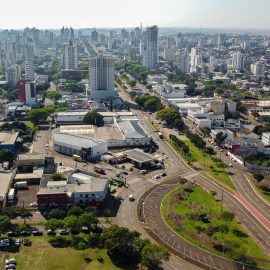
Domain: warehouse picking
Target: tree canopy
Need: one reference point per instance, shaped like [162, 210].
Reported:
[171, 116]
[94, 118]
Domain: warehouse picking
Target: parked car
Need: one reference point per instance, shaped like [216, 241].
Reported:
[11, 261]
[63, 232]
[157, 176]
[25, 233]
[131, 197]
[33, 204]
[26, 242]
[37, 233]
[163, 174]
[12, 234]
[51, 232]
[17, 242]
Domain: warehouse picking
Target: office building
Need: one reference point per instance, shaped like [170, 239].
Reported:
[29, 69]
[101, 77]
[27, 92]
[94, 36]
[150, 52]
[70, 56]
[238, 61]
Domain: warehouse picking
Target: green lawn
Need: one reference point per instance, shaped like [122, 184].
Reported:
[41, 255]
[200, 201]
[264, 193]
[217, 170]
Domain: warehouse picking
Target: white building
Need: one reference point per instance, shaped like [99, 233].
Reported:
[182, 60]
[238, 61]
[229, 134]
[29, 70]
[70, 57]
[150, 52]
[168, 53]
[258, 69]
[195, 59]
[170, 91]
[101, 77]
[84, 146]
[266, 138]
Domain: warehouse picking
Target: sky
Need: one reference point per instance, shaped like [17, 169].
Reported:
[17, 14]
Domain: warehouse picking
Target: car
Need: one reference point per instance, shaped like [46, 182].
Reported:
[163, 174]
[85, 229]
[131, 198]
[144, 171]
[47, 145]
[17, 242]
[10, 261]
[157, 176]
[25, 233]
[26, 242]
[12, 234]
[230, 165]
[37, 233]
[51, 232]
[33, 204]
[74, 232]
[63, 232]
[10, 267]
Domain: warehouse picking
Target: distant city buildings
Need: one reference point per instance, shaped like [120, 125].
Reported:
[70, 57]
[258, 69]
[29, 70]
[182, 61]
[238, 61]
[13, 74]
[195, 59]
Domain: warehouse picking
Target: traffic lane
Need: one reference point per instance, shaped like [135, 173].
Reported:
[157, 226]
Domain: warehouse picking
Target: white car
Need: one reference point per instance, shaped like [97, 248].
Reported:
[157, 176]
[131, 197]
[33, 204]
[10, 261]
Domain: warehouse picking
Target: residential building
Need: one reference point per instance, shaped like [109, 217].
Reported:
[217, 106]
[182, 60]
[70, 57]
[195, 59]
[13, 74]
[27, 92]
[29, 70]
[150, 52]
[233, 125]
[101, 77]
[238, 61]
[169, 90]
[258, 69]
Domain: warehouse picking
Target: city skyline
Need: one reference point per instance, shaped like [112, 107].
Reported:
[172, 13]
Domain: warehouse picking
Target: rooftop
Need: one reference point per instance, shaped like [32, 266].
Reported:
[79, 141]
[31, 156]
[132, 129]
[78, 130]
[139, 155]
[5, 182]
[8, 137]
[109, 132]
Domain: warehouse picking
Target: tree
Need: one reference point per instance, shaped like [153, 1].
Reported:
[153, 255]
[153, 104]
[57, 214]
[258, 176]
[5, 224]
[88, 219]
[6, 155]
[169, 115]
[183, 181]
[56, 176]
[258, 130]
[75, 211]
[53, 224]
[72, 223]
[37, 115]
[227, 216]
[94, 118]
[220, 138]
[54, 95]
[193, 216]
[42, 87]
[132, 94]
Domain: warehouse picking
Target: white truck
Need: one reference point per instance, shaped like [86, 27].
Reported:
[19, 185]
[5, 165]
[11, 195]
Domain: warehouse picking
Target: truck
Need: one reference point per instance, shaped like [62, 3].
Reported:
[11, 195]
[160, 135]
[77, 158]
[5, 165]
[19, 185]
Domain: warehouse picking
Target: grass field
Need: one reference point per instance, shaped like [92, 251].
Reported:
[41, 255]
[215, 169]
[196, 231]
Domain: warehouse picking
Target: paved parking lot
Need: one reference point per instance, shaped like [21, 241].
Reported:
[26, 196]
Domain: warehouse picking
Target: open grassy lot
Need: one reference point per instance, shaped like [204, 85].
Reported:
[184, 211]
[216, 169]
[41, 255]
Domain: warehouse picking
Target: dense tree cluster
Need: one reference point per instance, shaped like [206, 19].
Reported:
[94, 118]
[149, 103]
[171, 116]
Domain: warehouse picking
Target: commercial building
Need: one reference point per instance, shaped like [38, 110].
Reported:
[27, 92]
[81, 188]
[101, 77]
[70, 57]
[8, 141]
[86, 147]
[219, 106]
[13, 74]
[171, 91]
[70, 117]
[150, 51]
[139, 157]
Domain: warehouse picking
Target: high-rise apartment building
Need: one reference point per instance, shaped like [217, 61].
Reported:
[258, 69]
[29, 70]
[195, 59]
[13, 74]
[150, 52]
[182, 60]
[27, 92]
[70, 56]
[238, 61]
[101, 77]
